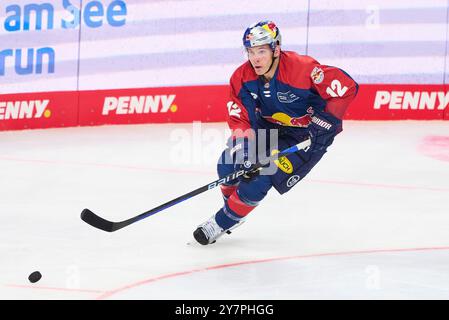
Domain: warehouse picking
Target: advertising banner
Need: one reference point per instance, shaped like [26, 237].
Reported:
[400, 102]
[89, 62]
[160, 105]
[38, 110]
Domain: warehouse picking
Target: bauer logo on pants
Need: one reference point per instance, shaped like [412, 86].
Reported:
[293, 180]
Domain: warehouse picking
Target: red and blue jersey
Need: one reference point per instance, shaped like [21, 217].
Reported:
[299, 88]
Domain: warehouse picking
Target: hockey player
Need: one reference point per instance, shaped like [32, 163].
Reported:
[283, 91]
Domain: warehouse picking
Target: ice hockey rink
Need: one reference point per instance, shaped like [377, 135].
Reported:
[371, 221]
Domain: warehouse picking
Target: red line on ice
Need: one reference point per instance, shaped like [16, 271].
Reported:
[108, 294]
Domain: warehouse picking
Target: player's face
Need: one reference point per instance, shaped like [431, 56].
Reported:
[260, 58]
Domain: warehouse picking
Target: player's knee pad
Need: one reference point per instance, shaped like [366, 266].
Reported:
[227, 190]
[243, 200]
[255, 190]
[248, 195]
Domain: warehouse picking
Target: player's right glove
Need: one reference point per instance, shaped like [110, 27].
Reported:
[243, 153]
[322, 130]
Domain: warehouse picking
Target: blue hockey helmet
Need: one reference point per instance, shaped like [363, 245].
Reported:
[260, 33]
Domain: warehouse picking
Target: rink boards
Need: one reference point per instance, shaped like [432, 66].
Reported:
[198, 103]
[75, 63]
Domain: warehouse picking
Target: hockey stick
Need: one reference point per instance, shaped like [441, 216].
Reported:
[109, 226]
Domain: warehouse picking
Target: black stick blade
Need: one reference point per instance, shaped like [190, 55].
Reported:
[95, 221]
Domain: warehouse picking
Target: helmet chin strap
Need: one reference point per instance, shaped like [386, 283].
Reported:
[271, 65]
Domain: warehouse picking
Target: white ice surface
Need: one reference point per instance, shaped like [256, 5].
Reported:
[371, 221]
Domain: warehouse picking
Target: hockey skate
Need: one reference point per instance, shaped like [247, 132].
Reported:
[209, 231]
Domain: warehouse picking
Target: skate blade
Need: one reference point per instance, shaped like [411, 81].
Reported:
[194, 243]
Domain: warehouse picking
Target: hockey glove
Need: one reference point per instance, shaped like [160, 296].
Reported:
[322, 130]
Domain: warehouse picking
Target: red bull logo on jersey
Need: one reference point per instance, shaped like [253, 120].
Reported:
[286, 120]
[413, 100]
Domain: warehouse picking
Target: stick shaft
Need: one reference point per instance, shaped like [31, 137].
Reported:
[103, 224]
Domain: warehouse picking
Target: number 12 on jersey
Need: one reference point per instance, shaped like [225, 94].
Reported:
[336, 89]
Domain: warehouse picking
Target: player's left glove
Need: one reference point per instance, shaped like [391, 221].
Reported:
[322, 130]
[243, 153]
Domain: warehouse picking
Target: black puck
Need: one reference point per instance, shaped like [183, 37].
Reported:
[35, 277]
